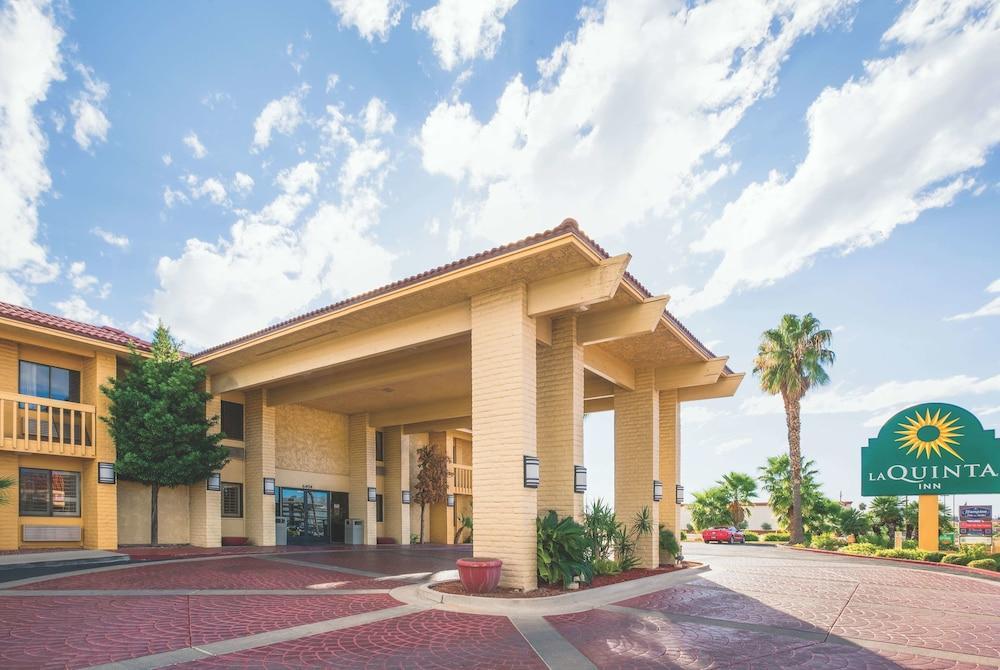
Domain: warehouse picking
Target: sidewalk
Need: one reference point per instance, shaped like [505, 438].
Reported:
[70, 557]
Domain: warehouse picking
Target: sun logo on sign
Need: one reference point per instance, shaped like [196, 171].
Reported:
[926, 434]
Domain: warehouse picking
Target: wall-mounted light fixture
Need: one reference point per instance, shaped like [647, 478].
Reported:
[679, 494]
[215, 481]
[451, 500]
[372, 495]
[531, 478]
[657, 490]
[406, 497]
[579, 479]
[269, 486]
[106, 473]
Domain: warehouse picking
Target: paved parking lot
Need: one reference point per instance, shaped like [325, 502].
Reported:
[756, 608]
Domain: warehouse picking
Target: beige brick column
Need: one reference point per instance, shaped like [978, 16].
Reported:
[670, 459]
[503, 423]
[259, 444]
[204, 506]
[560, 419]
[9, 539]
[99, 501]
[361, 452]
[637, 458]
[397, 478]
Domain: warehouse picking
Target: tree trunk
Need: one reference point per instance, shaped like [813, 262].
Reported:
[154, 517]
[794, 423]
[422, 508]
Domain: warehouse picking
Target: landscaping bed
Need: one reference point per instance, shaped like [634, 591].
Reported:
[944, 567]
[548, 590]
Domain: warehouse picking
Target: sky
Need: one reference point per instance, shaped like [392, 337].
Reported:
[222, 166]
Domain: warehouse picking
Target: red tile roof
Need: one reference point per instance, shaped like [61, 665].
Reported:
[100, 333]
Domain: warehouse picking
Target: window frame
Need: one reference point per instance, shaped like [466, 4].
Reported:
[50, 512]
[74, 381]
[222, 502]
[243, 420]
[379, 446]
[379, 508]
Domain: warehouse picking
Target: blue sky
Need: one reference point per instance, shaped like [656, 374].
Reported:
[223, 166]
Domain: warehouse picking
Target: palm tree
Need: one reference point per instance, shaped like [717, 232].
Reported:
[887, 512]
[776, 479]
[740, 490]
[790, 361]
[6, 483]
[853, 522]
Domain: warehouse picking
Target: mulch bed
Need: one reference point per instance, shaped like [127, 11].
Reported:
[548, 590]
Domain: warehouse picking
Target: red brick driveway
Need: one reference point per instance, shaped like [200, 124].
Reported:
[757, 608]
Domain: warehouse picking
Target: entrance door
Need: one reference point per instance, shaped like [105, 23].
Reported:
[308, 514]
[338, 514]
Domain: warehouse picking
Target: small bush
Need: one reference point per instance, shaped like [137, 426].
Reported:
[957, 559]
[606, 566]
[827, 541]
[909, 544]
[765, 526]
[977, 551]
[874, 538]
[860, 548]
[668, 542]
[684, 535]
[751, 537]
[776, 537]
[689, 528]
[934, 556]
[984, 564]
[909, 554]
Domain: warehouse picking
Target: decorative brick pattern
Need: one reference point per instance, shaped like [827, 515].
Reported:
[259, 441]
[204, 506]
[397, 472]
[361, 448]
[670, 459]
[560, 419]
[503, 422]
[637, 458]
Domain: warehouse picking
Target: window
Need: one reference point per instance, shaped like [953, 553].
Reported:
[232, 500]
[379, 509]
[379, 446]
[49, 492]
[232, 420]
[47, 381]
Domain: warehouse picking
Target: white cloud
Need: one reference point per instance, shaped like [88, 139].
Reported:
[883, 148]
[992, 308]
[282, 115]
[210, 188]
[242, 183]
[646, 91]
[81, 281]
[76, 307]
[433, 227]
[302, 177]
[167, 159]
[215, 99]
[198, 149]
[377, 119]
[372, 18]
[331, 81]
[364, 159]
[462, 30]
[731, 445]
[173, 197]
[30, 38]
[119, 241]
[90, 123]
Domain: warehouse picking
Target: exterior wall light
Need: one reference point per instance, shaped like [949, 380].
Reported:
[679, 495]
[269, 486]
[215, 481]
[579, 479]
[531, 478]
[371, 494]
[451, 500]
[406, 497]
[106, 473]
[657, 490]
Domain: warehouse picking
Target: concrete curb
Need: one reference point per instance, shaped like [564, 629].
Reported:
[59, 560]
[565, 603]
[958, 570]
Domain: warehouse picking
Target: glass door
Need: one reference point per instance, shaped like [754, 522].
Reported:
[338, 514]
[308, 514]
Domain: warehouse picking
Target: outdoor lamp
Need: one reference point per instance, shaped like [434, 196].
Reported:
[269, 486]
[657, 490]
[105, 473]
[406, 497]
[451, 500]
[531, 478]
[371, 494]
[579, 479]
[215, 481]
[679, 494]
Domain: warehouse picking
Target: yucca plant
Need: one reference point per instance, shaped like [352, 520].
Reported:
[562, 550]
[627, 537]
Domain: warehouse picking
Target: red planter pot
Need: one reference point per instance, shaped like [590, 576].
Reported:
[479, 575]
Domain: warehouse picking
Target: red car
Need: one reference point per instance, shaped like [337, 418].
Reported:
[722, 534]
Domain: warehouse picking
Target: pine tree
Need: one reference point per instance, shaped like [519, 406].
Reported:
[157, 420]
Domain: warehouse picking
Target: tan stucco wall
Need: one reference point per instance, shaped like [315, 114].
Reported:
[133, 514]
[311, 440]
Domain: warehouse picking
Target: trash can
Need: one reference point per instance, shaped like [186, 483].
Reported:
[354, 531]
[280, 530]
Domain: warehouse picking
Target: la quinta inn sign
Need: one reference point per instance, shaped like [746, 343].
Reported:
[931, 448]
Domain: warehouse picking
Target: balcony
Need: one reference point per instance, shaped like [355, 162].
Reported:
[43, 426]
[461, 479]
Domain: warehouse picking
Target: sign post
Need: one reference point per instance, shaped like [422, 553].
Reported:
[929, 450]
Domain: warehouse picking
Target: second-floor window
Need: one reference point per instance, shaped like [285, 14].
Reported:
[48, 381]
[232, 420]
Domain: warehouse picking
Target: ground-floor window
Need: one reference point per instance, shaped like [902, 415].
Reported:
[379, 509]
[49, 492]
[232, 500]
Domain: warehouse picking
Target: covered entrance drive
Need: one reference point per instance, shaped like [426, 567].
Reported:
[505, 350]
[312, 517]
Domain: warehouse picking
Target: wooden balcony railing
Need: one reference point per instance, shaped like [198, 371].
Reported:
[44, 426]
[461, 481]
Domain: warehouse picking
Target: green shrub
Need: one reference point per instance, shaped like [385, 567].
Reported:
[957, 559]
[689, 528]
[765, 526]
[874, 538]
[934, 556]
[860, 548]
[909, 544]
[751, 537]
[977, 551]
[984, 564]
[668, 542]
[776, 537]
[606, 566]
[827, 541]
[684, 535]
[909, 554]
[562, 550]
